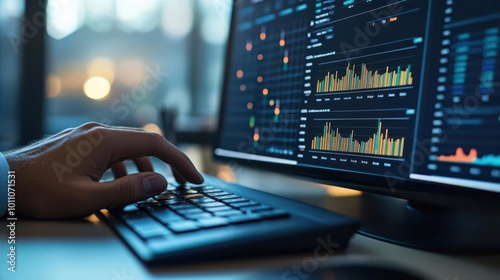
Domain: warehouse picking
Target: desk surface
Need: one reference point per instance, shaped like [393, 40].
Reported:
[88, 249]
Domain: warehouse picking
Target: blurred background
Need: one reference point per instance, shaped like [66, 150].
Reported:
[120, 62]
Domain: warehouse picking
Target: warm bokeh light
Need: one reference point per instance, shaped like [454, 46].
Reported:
[226, 173]
[102, 67]
[96, 88]
[249, 105]
[339, 192]
[260, 57]
[260, 79]
[151, 127]
[53, 85]
[265, 91]
[239, 74]
[285, 59]
[248, 46]
[131, 72]
[282, 42]
[263, 36]
[256, 137]
[271, 102]
[243, 87]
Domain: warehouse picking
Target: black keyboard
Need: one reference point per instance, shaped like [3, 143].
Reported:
[188, 222]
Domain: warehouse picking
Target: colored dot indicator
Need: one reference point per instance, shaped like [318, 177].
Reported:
[263, 34]
[265, 91]
[239, 74]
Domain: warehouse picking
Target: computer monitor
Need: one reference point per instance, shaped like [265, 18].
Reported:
[392, 97]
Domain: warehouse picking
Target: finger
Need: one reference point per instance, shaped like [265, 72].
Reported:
[127, 189]
[178, 177]
[143, 164]
[119, 170]
[136, 144]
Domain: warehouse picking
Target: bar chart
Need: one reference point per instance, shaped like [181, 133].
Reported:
[378, 144]
[353, 79]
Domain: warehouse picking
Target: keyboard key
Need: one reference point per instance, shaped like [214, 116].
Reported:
[185, 212]
[227, 213]
[199, 216]
[217, 209]
[182, 206]
[131, 208]
[183, 226]
[201, 200]
[165, 196]
[212, 191]
[149, 201]
[213, 222]
[173, 201]
[137, 219]
[211, 204]
[244, 204]
[146, 206]
[202, 188]
[234, 200]
[150, 230]
[166, 216]
[189, 196]
[184, 191]
[224, 197]
[244, 218]
[218, 194]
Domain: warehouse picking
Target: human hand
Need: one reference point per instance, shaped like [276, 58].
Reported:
[58, 177]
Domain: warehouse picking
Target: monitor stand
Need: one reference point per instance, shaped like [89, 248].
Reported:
[429, 227]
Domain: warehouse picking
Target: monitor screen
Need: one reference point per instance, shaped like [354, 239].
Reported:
[397, 96]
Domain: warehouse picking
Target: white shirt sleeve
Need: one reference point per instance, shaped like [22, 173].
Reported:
[4, 169]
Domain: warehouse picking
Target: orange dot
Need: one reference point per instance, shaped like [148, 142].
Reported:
[265, 91]
[282, 42]
[249, 46]
[285, 59]
[277, 111]
[243, 87]
[260, 79]
[263, 36]
[239, 74]
[260, 57]
[249, 105]
[256, 137]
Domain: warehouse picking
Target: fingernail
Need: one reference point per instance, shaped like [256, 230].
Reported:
[154, 184]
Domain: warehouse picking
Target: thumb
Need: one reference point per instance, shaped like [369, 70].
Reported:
[131, 188]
